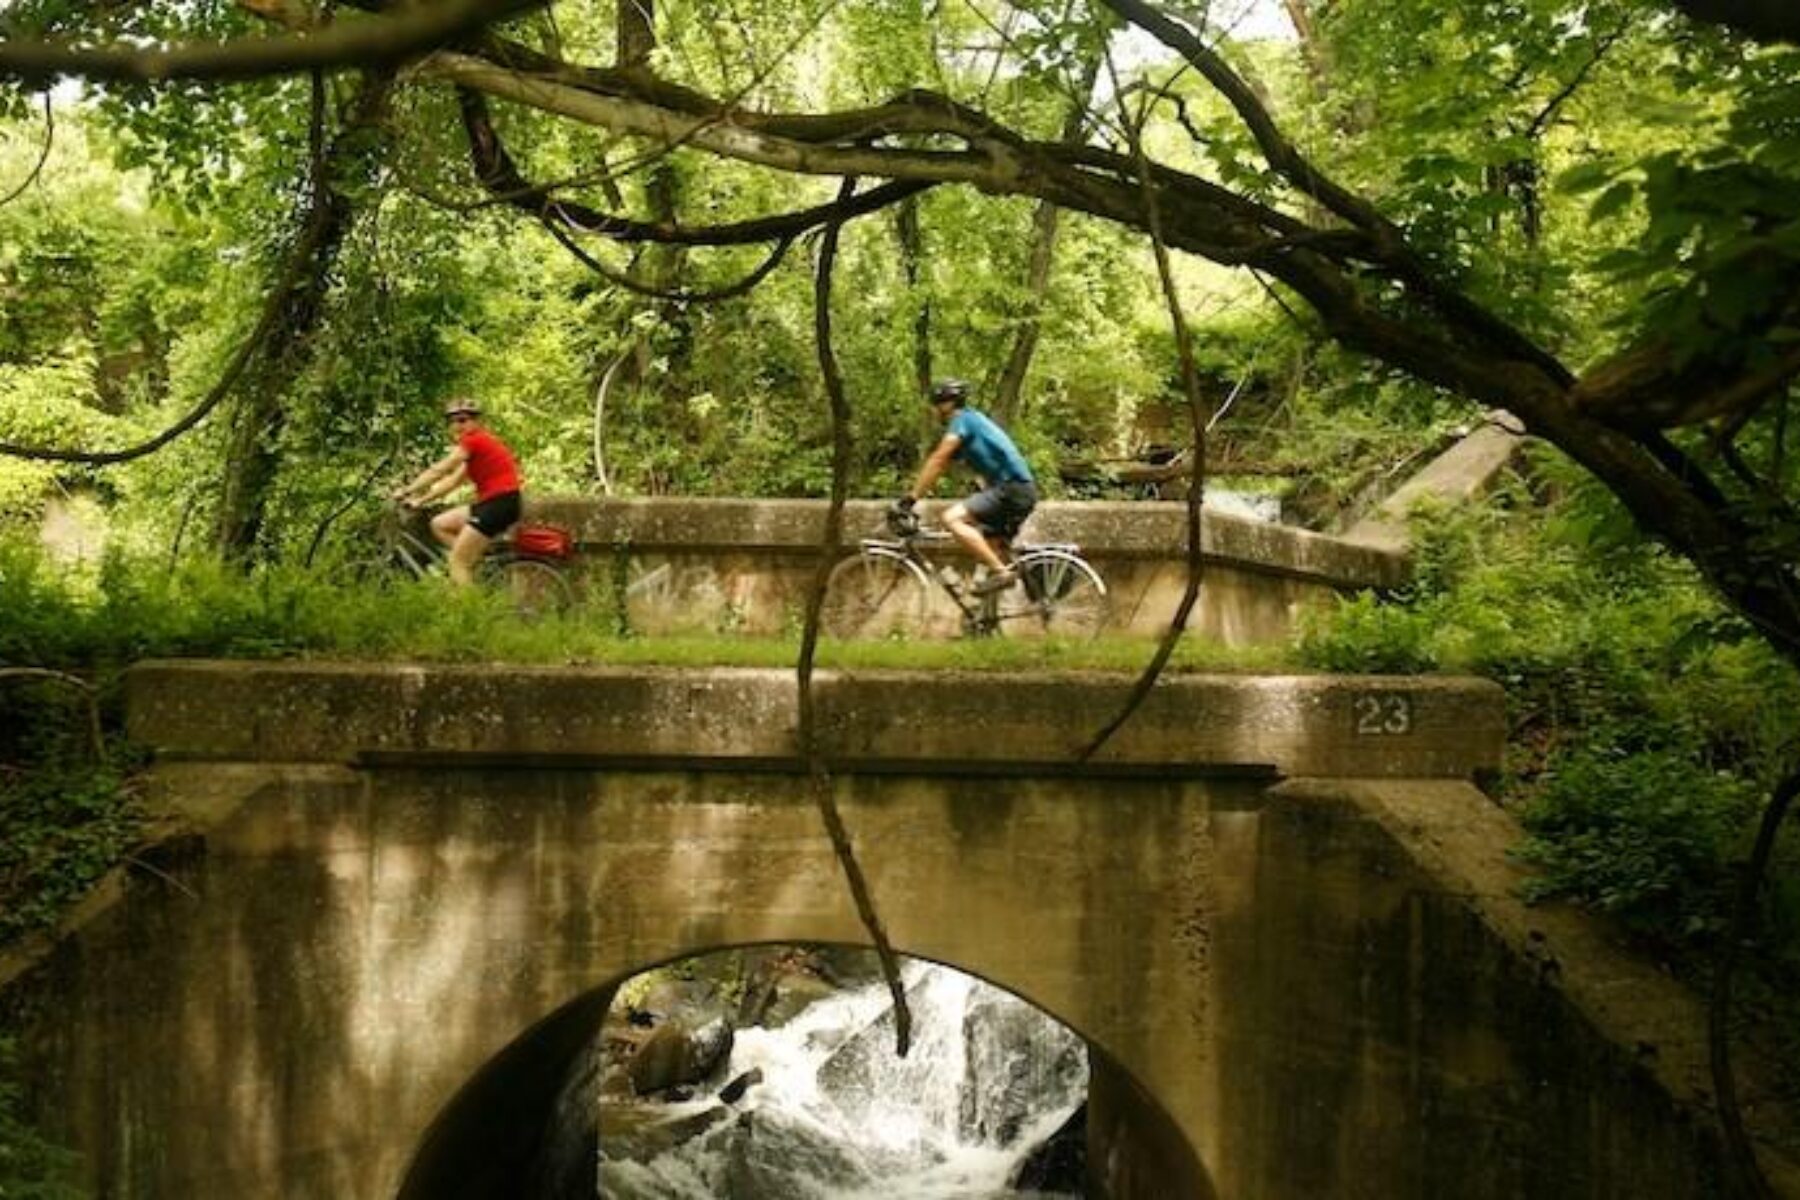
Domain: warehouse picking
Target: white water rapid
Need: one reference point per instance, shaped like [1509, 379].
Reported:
[838, 1117]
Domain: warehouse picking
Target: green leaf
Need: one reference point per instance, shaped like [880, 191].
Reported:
[1586, 177]
[1612, 200]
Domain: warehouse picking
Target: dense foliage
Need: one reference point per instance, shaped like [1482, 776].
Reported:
[1647, 724]
[1388, 219]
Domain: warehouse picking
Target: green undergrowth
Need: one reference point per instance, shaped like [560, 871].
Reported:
[68, 815]
[65, 826]
[1647, 724]
[122, 610]
[68, 809]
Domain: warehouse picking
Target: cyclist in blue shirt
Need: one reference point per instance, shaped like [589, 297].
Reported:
[987, 520]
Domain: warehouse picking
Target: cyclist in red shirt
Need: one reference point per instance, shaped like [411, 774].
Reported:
[479, 458]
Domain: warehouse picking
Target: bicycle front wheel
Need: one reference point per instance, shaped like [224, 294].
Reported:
[1058, 595]
[874, 595]
[534, 587]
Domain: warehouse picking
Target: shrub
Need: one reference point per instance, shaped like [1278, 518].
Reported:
[1646, 834]
[1362, 635]
[1645, 720]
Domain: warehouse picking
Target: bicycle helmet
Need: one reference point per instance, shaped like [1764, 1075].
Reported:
[954, 390]
[460, 407]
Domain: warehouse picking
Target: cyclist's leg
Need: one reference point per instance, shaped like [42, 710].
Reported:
[470, 545]
[486, 520]
[968, 522]
[996, 514]
[445, 526]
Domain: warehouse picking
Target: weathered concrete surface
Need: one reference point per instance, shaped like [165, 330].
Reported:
[680, 563]
[1457, 475]
[1319, 1013]
[1461, 847]
[1294, 725]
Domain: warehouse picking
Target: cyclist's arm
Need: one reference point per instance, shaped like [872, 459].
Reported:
[936, 463]
[421, 489]
[458, 476]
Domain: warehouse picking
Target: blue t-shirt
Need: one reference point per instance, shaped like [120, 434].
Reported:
[987, 449]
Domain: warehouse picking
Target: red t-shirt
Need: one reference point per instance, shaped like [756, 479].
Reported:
[491, 466]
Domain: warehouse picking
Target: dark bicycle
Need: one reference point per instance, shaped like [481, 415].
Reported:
[525, 566]
[904, 586]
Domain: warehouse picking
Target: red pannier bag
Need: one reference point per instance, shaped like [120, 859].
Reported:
[543, 541]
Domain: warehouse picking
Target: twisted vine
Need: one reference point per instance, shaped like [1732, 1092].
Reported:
[818, 776]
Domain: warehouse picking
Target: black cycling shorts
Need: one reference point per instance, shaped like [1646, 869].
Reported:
[495, 515]
[1001, 509]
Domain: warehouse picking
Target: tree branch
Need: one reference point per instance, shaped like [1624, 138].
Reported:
[1291, 165]
[1190, 384]
[1282, 155]
[621, 279]
[43, 156]
[1569, 89]
[88, 693]
[499, 174]
[378, 41]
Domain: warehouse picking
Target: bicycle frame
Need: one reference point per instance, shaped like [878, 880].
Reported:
[980, 617]
[982, 614]
[408, 549]
[406, 539]
[536, 584]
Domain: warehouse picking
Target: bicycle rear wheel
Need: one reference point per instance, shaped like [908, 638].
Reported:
[874, 595]
[1058, 595]
[536, 588]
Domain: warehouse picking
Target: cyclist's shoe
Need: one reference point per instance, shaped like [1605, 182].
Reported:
[997, 582]
[902, 521]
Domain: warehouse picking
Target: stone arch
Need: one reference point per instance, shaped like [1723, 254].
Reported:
[520, 1128]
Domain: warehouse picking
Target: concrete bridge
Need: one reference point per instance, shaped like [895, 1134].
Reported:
[1276, 909]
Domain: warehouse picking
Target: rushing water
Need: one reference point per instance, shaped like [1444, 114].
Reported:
[838, 1116]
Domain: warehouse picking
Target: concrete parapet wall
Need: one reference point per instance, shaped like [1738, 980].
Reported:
[1104, 529]
[686, 563]
[1375, 726]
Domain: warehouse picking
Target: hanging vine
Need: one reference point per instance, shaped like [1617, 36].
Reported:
[818, 777]
[1200, 422]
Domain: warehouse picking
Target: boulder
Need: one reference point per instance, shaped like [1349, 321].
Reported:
[771, 1157]
[679, 1054]
[643, 1132]
[1011, 1064]
[734, 1091]
[779, 984]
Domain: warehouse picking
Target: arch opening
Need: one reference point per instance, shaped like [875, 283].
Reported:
[769, 1071]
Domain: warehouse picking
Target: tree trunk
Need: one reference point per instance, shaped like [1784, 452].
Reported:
[636, 32]
[912, 263]
[253, 454]
[1006, 402]
[659, 266]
